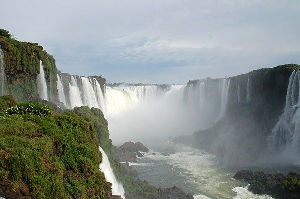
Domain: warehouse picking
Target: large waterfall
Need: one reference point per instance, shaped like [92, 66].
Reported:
[286, 133]
[61, 92]
[224, 98]
[2, 74]
[42, 84]
[117, 188]
[74, 94]
[123, 97]
[75, 91]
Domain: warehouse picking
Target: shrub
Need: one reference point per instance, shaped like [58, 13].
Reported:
[5, 33]
[29, 108]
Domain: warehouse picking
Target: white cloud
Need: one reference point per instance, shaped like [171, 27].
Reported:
[140, 40]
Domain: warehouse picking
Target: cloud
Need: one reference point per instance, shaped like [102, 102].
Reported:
[158, 41]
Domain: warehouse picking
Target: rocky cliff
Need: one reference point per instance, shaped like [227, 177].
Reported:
[20, 66]
[254, 104]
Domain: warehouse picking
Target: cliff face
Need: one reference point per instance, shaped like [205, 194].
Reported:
[254, 104]
[21, 65]
[50, 155]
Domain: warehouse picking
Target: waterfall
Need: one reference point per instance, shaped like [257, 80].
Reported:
[117, 188]
[248, 97]
[41, 83]
[286, 132]
[89, 95]
[100, 96]
[2, 73]
[122, 98]
[74, 94]
[239, 93]
[61, 93]
[224, 97]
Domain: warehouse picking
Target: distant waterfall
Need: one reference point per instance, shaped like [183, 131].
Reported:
[89, 95]
[2, 74]
[286, 132]
[41, 83]
[100, 96]
[74, 94]
[248, 94]
[224, 97]
[123, 97]
[61, 92]
[117, 188]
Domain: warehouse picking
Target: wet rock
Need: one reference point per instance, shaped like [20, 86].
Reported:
[129, 151]
[275, 185]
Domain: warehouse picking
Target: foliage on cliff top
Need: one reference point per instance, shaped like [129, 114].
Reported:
[100, 124]
[51, 156]
[6, 102]
[5, 33]
[22, 65]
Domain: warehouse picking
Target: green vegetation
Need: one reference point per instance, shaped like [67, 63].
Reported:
[48, 155]
[133, 188]
[292, 183]
[5, 33]
[6, 102]
[22, 65]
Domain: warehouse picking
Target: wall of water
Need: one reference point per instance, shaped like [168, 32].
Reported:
[117, 188]
[2, 74]
[76, 91]
[61, 92]
[42, 84]
[286, 133]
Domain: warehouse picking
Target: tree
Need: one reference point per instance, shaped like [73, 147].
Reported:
[5, 33]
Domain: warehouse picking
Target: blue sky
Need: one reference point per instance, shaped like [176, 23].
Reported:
[159, 41]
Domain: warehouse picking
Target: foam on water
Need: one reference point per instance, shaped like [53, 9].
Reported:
[194, 171]
[244, 193]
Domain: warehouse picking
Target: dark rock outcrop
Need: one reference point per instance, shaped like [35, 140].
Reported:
[129, 151]
[275, 185]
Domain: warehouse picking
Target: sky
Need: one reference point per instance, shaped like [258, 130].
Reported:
[159, 41]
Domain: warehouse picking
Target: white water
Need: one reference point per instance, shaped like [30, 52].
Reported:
[224, 98]
[74, 94]
[100, 96]
[248, 89]
[2, 73]
[120, 99]
[286, 133]
[117, 188]
[61, 92]
[89, 95]
[192, 170]
[244, 193]
[41, 83]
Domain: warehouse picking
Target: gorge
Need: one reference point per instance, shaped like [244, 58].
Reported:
[246, 121]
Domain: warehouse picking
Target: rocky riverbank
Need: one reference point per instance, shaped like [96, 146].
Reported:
[276, 185]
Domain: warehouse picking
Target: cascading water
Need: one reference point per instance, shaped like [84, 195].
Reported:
[100, 96]
[224, 97]
[117, 188]
[239, 93]
[74, 94]
[41, 83]
[123, 97]
[89, 95]
[286, 133]
[61, 93]
[248, 94]
[2, 74]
